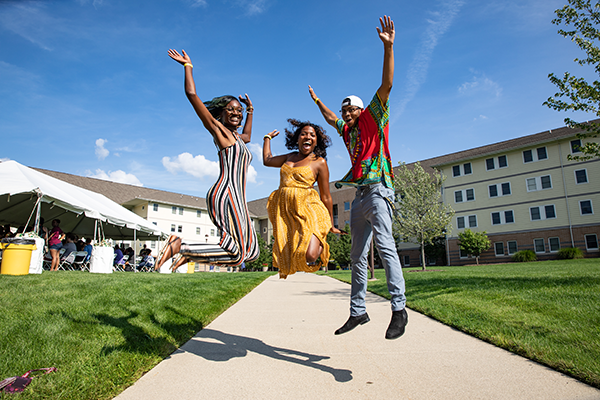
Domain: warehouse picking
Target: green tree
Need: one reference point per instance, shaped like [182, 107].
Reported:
[421, 215]
[474, 243]
[339, 247]
[575, 94]
[265, 257]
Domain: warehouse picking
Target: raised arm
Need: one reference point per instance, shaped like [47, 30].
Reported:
[268, 159]
[323, 182]
[329, 115]
[216, 129]
[247, 131]
[387, 35]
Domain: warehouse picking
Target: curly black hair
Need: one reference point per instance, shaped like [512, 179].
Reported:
[291, 136]
[216, 105]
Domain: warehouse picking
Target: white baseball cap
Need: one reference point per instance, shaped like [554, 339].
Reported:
[352, 101]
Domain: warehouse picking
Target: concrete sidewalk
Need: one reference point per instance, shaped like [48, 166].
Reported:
[278, 343]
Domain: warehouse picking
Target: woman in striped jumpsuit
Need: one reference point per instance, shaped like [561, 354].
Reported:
[226, 199]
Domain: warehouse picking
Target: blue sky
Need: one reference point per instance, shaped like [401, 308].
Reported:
[87, 88]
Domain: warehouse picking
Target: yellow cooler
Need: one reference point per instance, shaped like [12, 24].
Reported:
[16, 255]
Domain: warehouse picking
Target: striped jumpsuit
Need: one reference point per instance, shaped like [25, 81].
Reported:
[228, 210]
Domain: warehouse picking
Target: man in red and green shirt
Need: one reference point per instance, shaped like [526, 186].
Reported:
[365, 132]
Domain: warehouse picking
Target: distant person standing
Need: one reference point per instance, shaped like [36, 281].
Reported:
[55, 237]
[88, 248]
[365, 133]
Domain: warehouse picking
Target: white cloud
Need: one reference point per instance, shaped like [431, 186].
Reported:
[480, 84]
[116, 176]
[256, 150]
[436, 28]
[197, 166]
[199, 3]
[252, 174]
[101, 152]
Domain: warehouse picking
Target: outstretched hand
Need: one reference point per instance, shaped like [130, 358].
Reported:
[181, 59]
[246, 101]
[273, 133]
[387, 32]
[312, 92]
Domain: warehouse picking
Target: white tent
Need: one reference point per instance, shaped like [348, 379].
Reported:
[79, 210]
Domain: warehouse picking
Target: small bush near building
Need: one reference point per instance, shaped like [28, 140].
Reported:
[570, 253]
[524, 256]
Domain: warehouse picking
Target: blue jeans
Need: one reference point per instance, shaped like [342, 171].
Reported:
[371, 216]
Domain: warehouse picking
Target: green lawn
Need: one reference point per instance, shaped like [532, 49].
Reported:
[103, 332]
[546, 311]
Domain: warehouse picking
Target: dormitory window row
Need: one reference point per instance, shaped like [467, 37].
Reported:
[581, 176]
[503, 217]
[462, 221]
[492, 163]
[496, 190]
[531, 156]
[464, 195]
[542, 212]
[539, 183]
[464, 169]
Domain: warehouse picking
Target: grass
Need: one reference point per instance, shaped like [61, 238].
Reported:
[546, 311]
[103, 332]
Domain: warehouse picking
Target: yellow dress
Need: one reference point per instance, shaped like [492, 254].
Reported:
[297, 212]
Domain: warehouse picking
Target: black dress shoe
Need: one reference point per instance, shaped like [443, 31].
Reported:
[397, 324]
[352, 323]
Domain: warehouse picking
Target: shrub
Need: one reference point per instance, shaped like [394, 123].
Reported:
[524, 256]
[570, 253]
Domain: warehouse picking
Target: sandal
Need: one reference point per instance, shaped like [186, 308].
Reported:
[167, 251]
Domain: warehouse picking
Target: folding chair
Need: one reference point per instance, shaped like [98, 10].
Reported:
[79, 261]
[121, 265]
[66, 264]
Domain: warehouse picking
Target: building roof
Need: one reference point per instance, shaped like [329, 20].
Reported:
[128, 195]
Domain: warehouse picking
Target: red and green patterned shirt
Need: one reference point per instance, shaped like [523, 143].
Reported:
[367, 144]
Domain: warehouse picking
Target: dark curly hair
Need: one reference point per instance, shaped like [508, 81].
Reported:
[216, 105]
[291, 136]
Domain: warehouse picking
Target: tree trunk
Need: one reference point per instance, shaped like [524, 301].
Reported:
[423, 261]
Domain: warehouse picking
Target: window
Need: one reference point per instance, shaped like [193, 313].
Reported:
[554, 244]
[152, 245]
[509, 217]
[503, 217]
[460, 222]
[576, 146]
[539, 246]
[545, 212]
[581, 176]
[472, 221]
[456, 170]
[197, 230]
[346, 206]
[466, 170]
[512, 247]
[198, 213]
[504, 190]
[458, 198]
[174, 210]
[591, 242]
[172, 227]
[406, 261]
[539, 183]
[502, 162]
[496, 218]
[586, 207]
[180, 210]
[463, 254]
[499, 248]
[470, 194]
[531, 156]
[489, 164]
[155, 207]
[461, 195]
[179, 228]
[212, 232]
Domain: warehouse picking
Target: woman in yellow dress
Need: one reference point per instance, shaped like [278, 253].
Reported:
[301, 218]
